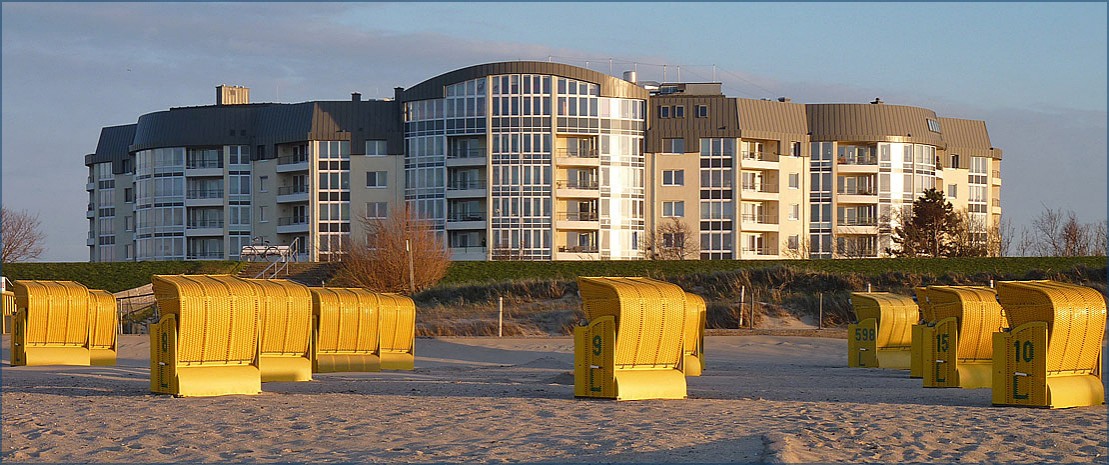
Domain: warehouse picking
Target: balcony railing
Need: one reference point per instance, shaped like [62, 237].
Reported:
[204, 194]
[873, 160]
[765, 188]
[756, 156]
[466, 216]
[204, 224]
[203, 164]
[759, 218]
[579, 249]
[467, 153]
[463, 185]
[996, 173]
[759, 251]
[577, 153]
[289, 190]
[857, 222]
[578, 216]
[292, 159]
[857, 192]
[588, 184]
[291, 220]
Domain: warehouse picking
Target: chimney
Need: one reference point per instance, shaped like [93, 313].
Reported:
[397, 93]
[631, 77]
[877, 101]
[232, 95]
[785, 99]
[356, 96]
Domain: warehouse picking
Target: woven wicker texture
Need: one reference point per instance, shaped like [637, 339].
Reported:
[348, 320]
[285, 312]
[977, 313]
[398, 323]
[694, 339]
[57, 312]
[894, 313]
[103, 320]
[650, 318]
[217, 317]
[1075, 317]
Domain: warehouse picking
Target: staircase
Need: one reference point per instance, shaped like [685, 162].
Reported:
[308, 273]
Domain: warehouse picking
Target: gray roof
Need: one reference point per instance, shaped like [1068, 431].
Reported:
[610, 86]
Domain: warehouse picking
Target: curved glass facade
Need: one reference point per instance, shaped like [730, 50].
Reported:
[527, 166]
[160, 204]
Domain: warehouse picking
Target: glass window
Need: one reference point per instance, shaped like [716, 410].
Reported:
[376, 178]
[663, 111]
[679, 111]
[676, 145]
[376, 148]
[673, 208]
[794, 180]
[952, 191]
[673, 177]
[702, 111]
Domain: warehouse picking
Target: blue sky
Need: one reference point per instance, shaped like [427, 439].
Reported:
[1035, 72]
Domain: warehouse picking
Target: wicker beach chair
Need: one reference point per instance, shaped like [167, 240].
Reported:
[882, 338]
[958, 346]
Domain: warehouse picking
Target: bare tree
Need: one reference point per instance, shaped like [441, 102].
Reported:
[1076, 237]
[671, 240]
[1047, 233]
[381, 262]
[1100, 241]
[1026, 246]
[1058, 233]
[21, 236]
[800, 252]
[1000, 238]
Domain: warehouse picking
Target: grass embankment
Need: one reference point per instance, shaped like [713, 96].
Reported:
[541, 297]
[115, 276]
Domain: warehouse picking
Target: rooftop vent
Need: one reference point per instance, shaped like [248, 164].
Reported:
[232, 95]
[877, 101]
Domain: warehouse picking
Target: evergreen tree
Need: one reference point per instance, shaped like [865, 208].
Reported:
[931, 229]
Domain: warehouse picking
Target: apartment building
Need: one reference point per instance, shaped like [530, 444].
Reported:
[531, 161]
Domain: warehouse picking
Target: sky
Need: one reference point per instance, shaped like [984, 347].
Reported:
[1035, 72]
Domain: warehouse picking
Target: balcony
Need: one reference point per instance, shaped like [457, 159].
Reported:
[292, 163]
[292, 224]
[758, 161]
[865, 196]
[205, 255]
[759, 222]
[203, 197]
[577, 157]
[467, 157]
[292, 194]
[763, 191]
[204, 228]
[996, 178]
[857, 164]
[577, 220]
[587, 188]
[466, 188]
[466, 220]
[91, 212]
[468, 253]
[857, 226]
[577, 252]
[90, 186]
[759, 252]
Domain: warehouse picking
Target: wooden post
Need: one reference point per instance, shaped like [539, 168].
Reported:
[500, 316]
[820, 313]
[742, 291]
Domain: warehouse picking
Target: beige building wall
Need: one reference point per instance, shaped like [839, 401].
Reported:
[688, 193]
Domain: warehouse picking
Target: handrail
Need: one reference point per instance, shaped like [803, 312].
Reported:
[282, 263]
[289, 190]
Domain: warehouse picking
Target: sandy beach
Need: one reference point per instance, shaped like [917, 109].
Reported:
[763, 398]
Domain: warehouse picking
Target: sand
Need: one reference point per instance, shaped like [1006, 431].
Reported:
[763, 398]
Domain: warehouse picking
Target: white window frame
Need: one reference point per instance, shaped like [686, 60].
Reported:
[673, 177]
[380, 179]
[673, 209]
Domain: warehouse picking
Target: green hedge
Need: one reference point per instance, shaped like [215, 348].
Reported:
[486, 272]
[115, 276]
